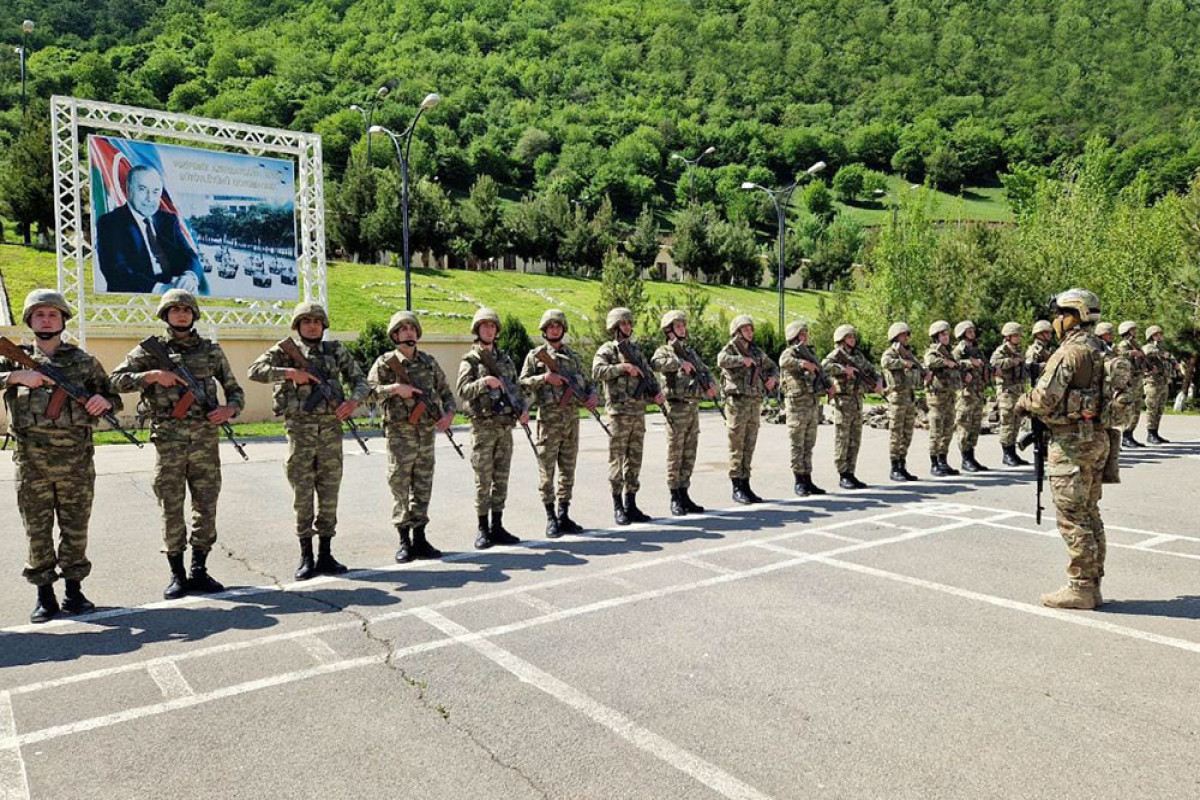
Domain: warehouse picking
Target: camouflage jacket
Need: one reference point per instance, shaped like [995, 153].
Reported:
[677, 384]
[479, 402]
[738, 380]
[797, 381]
[903, 373]
[1008, 369]
[1161, 366]
[332, 359]
[620, 389]
[1120, 401]
[1038, 352]
[203, 358]
[964, 352]
[947, 375]
[27, 407]
[547, 397]
[1127, 347]
[835, 364]
[425, 374]
[1069, 395]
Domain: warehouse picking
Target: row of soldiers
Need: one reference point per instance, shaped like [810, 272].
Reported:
[318, 386]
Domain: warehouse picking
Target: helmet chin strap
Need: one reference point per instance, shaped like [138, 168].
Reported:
[47, 336]
[180, 328]
[310, 342]
[554, 340]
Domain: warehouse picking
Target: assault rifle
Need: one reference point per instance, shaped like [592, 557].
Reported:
[193, 391]
[576, 387]
[821, 383]
[1039, 437]
[63, 388]
[414, 416]
[507, 395]
[326, 390]
[702, 374]
[865, 375]
[646, 389]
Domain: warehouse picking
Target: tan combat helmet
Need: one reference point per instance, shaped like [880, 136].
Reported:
[898, 328]
[1042, 326]
[960, 330]
[401, 317]
[670, 318]
[739, 322]
[1085, 304]
[484, 314]
[1152, 331]
[1105, 329]
[1127, 327]
[1011, 329]
[842, 332]
[308, 308]
[939, 327]
[178, 297]
[794, 329]
[553, 315]
[616, 316]
[45, 297]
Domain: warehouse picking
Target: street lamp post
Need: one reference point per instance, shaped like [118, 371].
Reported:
[403, 141]
[692, 163]
[782, 197]
[369, 112]
[22, 51]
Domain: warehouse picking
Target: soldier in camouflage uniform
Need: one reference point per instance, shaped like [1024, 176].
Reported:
[1128, 347]
[747, 375]
[1041, 348]
[55, 472]
[314, 429]
[1161, 366]
[969, 408]
[1118, 392]
[903, 376]
[493, 418]
[683, 388]
[558, 405]
[1069, 398]
[185, 435]
[945, 381]
[415, 405]
[852, 376]
[627, 389]
[1010, 373]
[803, 383]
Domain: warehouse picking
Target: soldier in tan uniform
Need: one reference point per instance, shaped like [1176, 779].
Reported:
[946, 378]
[1128, 347]
[747, 375]
[1041, 348]
[1119, 397]
[903, 376]
[852, 376]
[803, 384]
[1010, 374]
[1161, 366]
[968, 410]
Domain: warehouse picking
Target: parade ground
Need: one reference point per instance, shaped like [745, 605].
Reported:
[884, 643]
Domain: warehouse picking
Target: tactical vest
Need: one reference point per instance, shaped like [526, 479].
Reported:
[1084, 397]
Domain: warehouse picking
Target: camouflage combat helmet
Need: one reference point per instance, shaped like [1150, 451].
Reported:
[842, 332]
[939, 327]
[1152, 331]
[45, 297]
[308, 308]
[1011, 329]
[484, 314]
[1083, 303]
[896, 329]
[401, 317]
[1126, 327]
[178, 297]
[740, 321]
[960, 330]
[794, 329]
[616, 316]
[1042, 326]
[1105, 329]
[670, 318]
[553, 315]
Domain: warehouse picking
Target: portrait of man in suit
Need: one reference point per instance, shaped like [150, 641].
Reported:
[141, 245]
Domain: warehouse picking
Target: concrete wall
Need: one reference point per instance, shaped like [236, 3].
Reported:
[241, 348]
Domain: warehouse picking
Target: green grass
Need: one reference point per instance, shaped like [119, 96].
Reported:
[25, 269]
[984, 203]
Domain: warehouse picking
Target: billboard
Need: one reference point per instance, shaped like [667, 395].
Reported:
[217, 224]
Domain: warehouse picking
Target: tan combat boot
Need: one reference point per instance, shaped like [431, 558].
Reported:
[1071, 596]
[1099, 598]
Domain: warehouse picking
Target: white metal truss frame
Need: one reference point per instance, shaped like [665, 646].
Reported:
[69, 116]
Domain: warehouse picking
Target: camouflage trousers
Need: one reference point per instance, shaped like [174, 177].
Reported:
[55, 477]
[625, 450]
[1112, 464]
[969, 413]
[1010, 422]
[683, 437]
[1136, 414]
[314, 467]
[558, 450]
[1075, 467]
[491, 458]
[742, 415]
[188, 461]
[941, 422]
[803, 417]
[410, 471]
[1156, 401]
[847, 417]
[902, 418]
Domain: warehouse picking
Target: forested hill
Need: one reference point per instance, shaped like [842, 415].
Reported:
[593, 96]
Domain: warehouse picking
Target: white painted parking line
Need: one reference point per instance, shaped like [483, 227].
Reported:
[1154, 541]
[700, 563]
[170, 680]
[642, 738]
[14, 784]
[318, 648]
[536, 603]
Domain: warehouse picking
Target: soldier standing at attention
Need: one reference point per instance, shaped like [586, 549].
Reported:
[947, 378]
[969, 409]
[747, 375]
[1118, 393]
[1128, 347]
[55, 469]
[803, 384]
[852, 376]
[1069, 398]
[1160, 367]
[683, 390]
[481, 387]
[903, 376]
[557, 402]
[185, 435]
[314, 429]
[1041, 348]
[416, 402]
[1008, 367]
[628, 386]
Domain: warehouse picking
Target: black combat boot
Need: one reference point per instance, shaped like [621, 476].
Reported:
[421, 547]
[1012, 458]
[754, 498]
[908, 476]
[692, 507]
[200, 581]
[935, 467]
[857, 483]
[800, 487]
[1127, 440]
[405, 553]
[1152, 437]
[565, 523]
[812, 487]
[979, 467]
[634, 513]
[499, 534]
[677, 507]
[619, 515]
[846, 481]
[47, 605]
[898, 473]
[308, 567]
[326, 563]
[739, 492]
[553, 531]
[178, 586]
[73, 600]
[483, 540]
[946, 468]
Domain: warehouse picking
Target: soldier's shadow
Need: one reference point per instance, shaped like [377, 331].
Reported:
[1156, 454]
[1182, 607]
